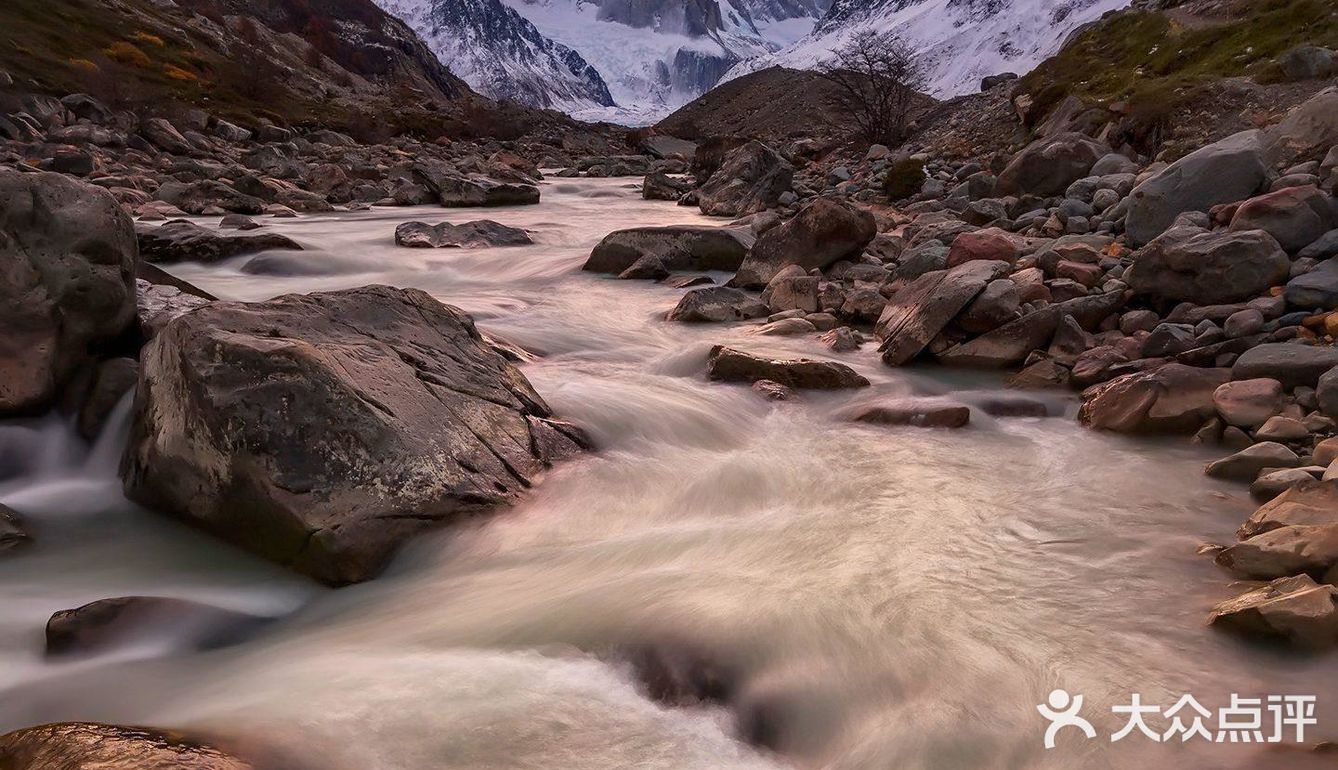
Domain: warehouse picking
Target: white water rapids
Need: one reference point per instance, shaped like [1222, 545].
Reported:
[888, 597]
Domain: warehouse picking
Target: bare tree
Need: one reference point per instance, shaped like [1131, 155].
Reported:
[874, 80]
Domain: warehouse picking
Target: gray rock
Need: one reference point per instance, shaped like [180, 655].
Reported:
[1226, 171]
[67, 284]
[1049, 165]
[717, 304]
[1188, 264]
[750, 179]
[183, 241]
[1316, 289]
[480, 233]
[822, 233]
[1246, 464]
[678, 247]
[1326, 392]
[1291, 364]
[322, 431]
[1308, 62]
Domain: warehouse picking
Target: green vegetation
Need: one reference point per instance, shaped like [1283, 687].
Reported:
[905, 177]
[1153, 62]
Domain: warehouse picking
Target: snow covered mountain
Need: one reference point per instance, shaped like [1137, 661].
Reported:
[961, 41]
[632, 61]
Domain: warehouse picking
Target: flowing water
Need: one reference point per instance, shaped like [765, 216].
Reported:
[882, 597]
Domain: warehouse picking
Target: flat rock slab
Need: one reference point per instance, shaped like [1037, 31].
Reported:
[478, 234]
[323, 430]
[914, 413]
[922, 308]
[182, 241]
[732, 365]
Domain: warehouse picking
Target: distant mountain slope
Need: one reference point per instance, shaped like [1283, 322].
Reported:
[961, 41]
[626, 60]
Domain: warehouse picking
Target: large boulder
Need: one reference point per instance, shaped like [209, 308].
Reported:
[822, 233]
[323, 430]
[1169, 399]
[1295, 216]
[658, 186]
[67, 283]
[1309, 130]
[91, 746]
[1317, 289]
[751, 179]
[478, 234]
[458, 190]
[677, 247]
[182, 241]
[924, 307]
[1190, 264]
[730, 365]
[1230, 170]
[1049, 165]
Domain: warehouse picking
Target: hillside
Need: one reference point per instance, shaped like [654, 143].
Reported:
[343, 64]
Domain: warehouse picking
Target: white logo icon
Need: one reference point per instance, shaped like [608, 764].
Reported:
[1063, 712]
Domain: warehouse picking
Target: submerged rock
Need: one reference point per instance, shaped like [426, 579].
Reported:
[12, 532]
[67, 284]
[480, 233]
[108, 624]
[730, 365]
[914, 413]
[322, 431]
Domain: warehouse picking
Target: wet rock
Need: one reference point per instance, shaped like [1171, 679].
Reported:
[1289, 363]
[157, 304]
[1248, 403]
[1246, 464]
[323, 430]
[792, 289]
[1041, 375]
[1049, 165]
[86, 745]
[182, 241]
[773, 391]
[208, 194]
[717, 304]
[67, 286]
[13, 534]
[913, 413]
[786, 327]
[1232, 169]
[662, 187]
[1296, 216]
[478, 234]
[1013, 406]
[731, 365]
[920, 310]
[109, 624]
[1169, 399]
[822, 233]
[1280, 428]
[678, 247]
[750, 179]
[460, 191]
[1295, 609]
[842, 339]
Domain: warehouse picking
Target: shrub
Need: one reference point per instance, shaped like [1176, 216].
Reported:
[905, 177]
[127, 53]
[83, 65]
[181, 75]
[148, 39]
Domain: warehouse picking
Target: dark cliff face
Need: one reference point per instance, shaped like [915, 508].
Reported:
[695, 18]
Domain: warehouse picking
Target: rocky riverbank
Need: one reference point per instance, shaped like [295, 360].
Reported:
[1194, 296]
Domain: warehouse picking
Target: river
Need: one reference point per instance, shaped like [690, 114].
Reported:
[886, 597]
